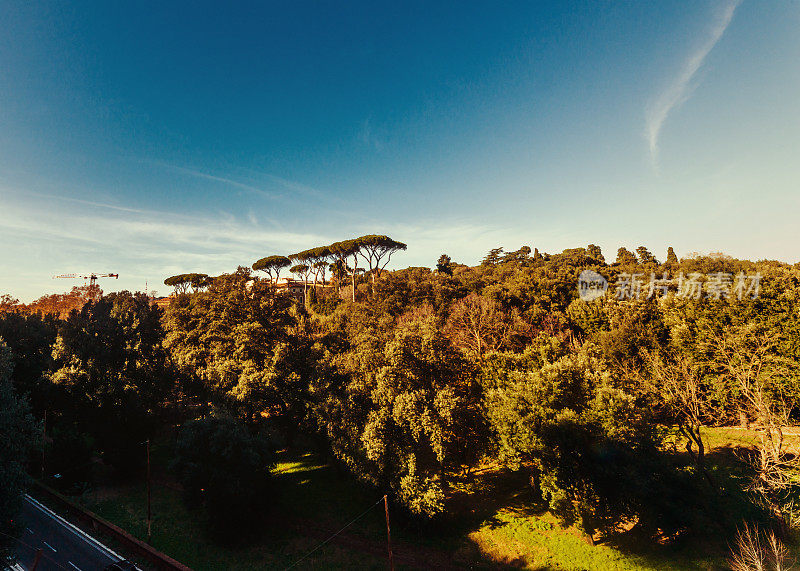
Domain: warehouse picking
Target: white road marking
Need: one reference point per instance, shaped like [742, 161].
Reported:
[74, 566]
[50, 546]
[80, 533]
[29, 530]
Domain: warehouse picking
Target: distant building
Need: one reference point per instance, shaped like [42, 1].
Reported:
[162, 302]
[291, 286]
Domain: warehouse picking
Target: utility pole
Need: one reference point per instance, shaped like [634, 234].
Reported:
[36, 560]
[388, 532]
[149, 512]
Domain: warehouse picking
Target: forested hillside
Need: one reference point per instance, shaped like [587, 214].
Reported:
[412, 381]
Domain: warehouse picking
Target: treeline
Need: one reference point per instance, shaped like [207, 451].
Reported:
[427, 375]
[57, 304]
[373, 250]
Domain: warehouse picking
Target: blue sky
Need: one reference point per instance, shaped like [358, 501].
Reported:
[151, 139]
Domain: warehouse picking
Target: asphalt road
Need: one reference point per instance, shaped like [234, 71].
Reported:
[63, 545]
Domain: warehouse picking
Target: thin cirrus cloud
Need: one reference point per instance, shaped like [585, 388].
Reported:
[148, 244]
[223, 180]
[291, 185]
[679, 90]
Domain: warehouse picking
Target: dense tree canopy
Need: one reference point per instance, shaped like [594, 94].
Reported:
[111, 373]
[412, 379]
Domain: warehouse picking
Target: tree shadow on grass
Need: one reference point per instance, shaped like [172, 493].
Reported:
[506, 499]
[315, 499]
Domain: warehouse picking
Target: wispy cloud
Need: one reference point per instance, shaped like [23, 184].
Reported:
[680, 88]
[271, 179]
[230, 182]
[294, 186]
[45, 237]
[86, 202]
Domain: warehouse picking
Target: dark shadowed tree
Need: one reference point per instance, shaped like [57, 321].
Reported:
[646, 258]
[110, 361]
[30, 338]
[625, 257]
[493, 257]
[339, 271]
[198, 281]
[8, 303]
[521, 256]
[17, 431]
[595, 253]
[225, 468]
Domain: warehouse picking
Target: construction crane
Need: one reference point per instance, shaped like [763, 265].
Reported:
[91, 277]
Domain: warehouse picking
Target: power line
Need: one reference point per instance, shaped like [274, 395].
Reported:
[358, 517]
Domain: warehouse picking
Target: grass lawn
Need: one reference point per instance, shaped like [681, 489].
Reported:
[721, 437]
[313, 500]
[179, 532]
[537, 542]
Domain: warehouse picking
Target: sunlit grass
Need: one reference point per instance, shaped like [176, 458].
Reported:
[312, 499]
[538, 542]
[306, 463]
[732, 437]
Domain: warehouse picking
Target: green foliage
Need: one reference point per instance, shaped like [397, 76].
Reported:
[521, 256]
[111, 373]
[30, 338]
[182, 282]
[408, 416]
[236, 342]
[17, 430]
[225, 468]
[625, 257]
[419, 375]
[595, 253]
[443, 265]
[632, 327]
[594, 452]
[646, 258]
[590, 316]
